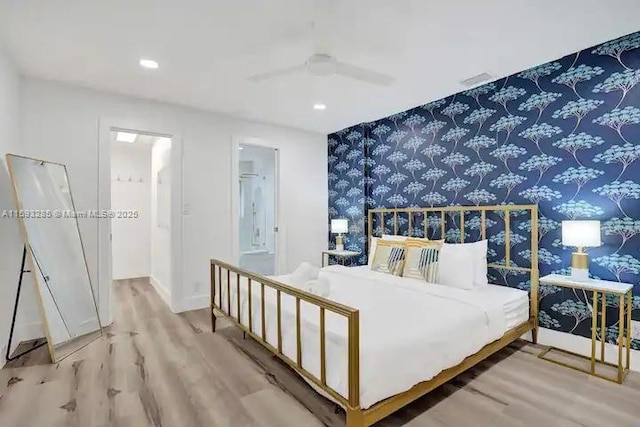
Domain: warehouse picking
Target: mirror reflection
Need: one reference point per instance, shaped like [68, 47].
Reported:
[50, 230]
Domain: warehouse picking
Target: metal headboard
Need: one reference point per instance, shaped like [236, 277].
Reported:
[503, 210]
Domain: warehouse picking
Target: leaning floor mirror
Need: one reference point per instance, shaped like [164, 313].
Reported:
[54, 250]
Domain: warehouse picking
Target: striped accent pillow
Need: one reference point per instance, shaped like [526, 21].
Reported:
[388, 257]
[422, 260]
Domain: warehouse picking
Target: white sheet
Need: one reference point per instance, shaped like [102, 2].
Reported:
[409, 330]
[514, 302]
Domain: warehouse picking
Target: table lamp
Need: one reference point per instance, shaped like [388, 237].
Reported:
[339, 226]
[580, 234]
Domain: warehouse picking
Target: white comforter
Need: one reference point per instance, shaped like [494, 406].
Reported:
[409, 330]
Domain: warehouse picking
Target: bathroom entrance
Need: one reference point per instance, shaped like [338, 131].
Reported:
[257, 199]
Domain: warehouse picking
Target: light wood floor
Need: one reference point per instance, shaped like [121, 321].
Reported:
[156, 368]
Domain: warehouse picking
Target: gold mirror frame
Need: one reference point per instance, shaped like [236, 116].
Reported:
[79, 341]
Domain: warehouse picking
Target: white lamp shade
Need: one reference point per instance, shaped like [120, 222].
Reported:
[581, 233]
[339, 225]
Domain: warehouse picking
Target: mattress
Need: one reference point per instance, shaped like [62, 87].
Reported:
[514, 302]
[409, 330]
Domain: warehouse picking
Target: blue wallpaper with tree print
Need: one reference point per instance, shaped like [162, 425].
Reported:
[565, 135]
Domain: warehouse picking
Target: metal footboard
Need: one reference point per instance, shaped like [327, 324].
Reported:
[226, 277]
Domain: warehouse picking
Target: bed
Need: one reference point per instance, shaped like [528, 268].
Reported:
[382, 341]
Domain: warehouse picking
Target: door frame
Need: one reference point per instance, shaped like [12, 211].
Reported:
[235, 198]
[105, 280]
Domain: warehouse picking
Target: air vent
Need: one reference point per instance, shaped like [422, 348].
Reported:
[472, 81]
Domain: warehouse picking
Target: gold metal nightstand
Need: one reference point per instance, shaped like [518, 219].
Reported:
[339, 254]
[599, 288]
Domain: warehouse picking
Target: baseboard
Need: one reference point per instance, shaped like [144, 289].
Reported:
[28, 331]
[161, 290]
[582, 345]
[196, 303]
[132, 278]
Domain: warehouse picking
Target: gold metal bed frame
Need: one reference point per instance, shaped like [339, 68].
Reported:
[355, 415]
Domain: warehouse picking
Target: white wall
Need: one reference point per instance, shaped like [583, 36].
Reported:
[61, 123]
[10, 239]
[131, 191]
[160, 233]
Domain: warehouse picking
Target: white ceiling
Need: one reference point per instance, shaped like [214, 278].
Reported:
[207, 48]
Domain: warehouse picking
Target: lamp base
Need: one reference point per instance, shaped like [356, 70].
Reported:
[339, 243]
[580, 274]
[579, 266]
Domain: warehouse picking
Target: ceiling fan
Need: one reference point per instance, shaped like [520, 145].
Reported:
[321, 64]
[324, 31]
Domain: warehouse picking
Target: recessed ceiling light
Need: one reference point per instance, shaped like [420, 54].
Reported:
[126, 137]
[148, 63]
[319, 106]
[240, 148]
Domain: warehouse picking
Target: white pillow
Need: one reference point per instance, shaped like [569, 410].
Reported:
[456, 269]
[372, 250]
[477, 252]
[303, 274]
[319, 286]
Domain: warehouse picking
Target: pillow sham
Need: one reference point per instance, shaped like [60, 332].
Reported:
[388, 257]
[407, 238]
[394, 237]
[374, 242]
[477, 252]
[422, 240]
[403, 238]
[421, 259]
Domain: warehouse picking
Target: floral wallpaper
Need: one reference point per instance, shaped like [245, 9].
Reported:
[564, 135]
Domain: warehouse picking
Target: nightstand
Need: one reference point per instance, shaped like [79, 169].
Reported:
[599, 288]
[339, 254]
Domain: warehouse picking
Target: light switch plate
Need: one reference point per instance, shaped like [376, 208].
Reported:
[635, 329]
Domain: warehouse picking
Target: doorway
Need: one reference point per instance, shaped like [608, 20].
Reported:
[140, 212]
[257, 208]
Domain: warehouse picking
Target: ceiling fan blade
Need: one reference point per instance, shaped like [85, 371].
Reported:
[277, 73]
[363, 74]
